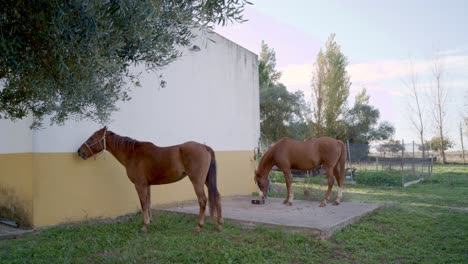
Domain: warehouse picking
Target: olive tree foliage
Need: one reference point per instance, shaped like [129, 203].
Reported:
[330, 90]
[71, 59]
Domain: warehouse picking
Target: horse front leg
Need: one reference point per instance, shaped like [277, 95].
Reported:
[329, 172]
[290, 195]
[148, 198]
[142, 191]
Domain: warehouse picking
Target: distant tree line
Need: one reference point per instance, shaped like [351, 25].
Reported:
[284, 113]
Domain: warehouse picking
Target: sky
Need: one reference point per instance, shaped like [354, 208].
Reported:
[379, 39]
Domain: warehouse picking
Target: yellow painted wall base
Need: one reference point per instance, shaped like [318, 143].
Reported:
[16, 188]
[60, 187]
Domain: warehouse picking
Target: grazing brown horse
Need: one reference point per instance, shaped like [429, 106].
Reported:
[289, 154]
[148, 164]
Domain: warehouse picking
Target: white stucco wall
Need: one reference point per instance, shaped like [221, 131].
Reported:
[15, 137]
[211, 97]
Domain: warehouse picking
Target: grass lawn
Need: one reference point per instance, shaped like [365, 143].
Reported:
[423, 223]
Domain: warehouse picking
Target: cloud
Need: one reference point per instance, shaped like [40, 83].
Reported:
[384, 70]
[386, 76]
[370, 72]
[297, 75]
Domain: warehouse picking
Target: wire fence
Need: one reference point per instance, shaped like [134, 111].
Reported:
[410, 162]
[396, 164]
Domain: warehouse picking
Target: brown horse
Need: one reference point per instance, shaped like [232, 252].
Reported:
[148, 164]
[289, 154]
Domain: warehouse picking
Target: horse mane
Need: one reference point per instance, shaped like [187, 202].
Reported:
[266, 158]
[121, 142]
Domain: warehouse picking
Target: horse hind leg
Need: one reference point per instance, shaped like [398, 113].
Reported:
[142, 195]
[329, 172]
[219, 213]
[201, 196]
[339, 181]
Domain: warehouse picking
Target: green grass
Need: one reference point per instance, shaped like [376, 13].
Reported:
[407, 235]
[169, 240]
[423, 223]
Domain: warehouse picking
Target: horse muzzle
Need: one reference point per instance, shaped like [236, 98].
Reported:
[82, 154]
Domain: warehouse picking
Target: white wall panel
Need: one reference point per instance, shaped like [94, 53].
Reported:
[211, 97]
[15, 137]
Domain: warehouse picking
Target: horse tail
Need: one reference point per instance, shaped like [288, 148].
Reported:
[213, 194]
[342, 162]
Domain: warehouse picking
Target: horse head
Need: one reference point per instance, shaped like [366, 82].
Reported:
[262, 183]
[96, 143]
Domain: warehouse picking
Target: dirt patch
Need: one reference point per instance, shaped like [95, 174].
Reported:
[13, 209]
[7, 232]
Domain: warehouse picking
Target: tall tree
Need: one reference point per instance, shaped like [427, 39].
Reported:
[267, 73]
[465, 114]
[69, 59]
[438, 144]
[392, 146]
[439, 100]
[362, 122]
[416, 109]
[330, 90]
[318, 95]
[282, 113]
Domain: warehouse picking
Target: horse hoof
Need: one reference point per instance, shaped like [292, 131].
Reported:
[322, 204]
[219, 228]
[288, 203]
[144, 229]
[336, 203]
[196, 229]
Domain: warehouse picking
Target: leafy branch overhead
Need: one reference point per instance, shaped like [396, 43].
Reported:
[71, 59]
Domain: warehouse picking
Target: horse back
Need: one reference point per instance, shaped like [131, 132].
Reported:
[163, 165]
[307, 154]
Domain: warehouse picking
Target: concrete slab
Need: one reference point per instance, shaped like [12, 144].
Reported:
[7, 232]
[302, 216]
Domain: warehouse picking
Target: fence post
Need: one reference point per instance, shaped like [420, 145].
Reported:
[402, 163]
[413, 169]
[432, 159]
[461, 139]
[349, 161]
[422, 160]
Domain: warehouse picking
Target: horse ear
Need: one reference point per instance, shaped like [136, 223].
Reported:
[105, 127]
